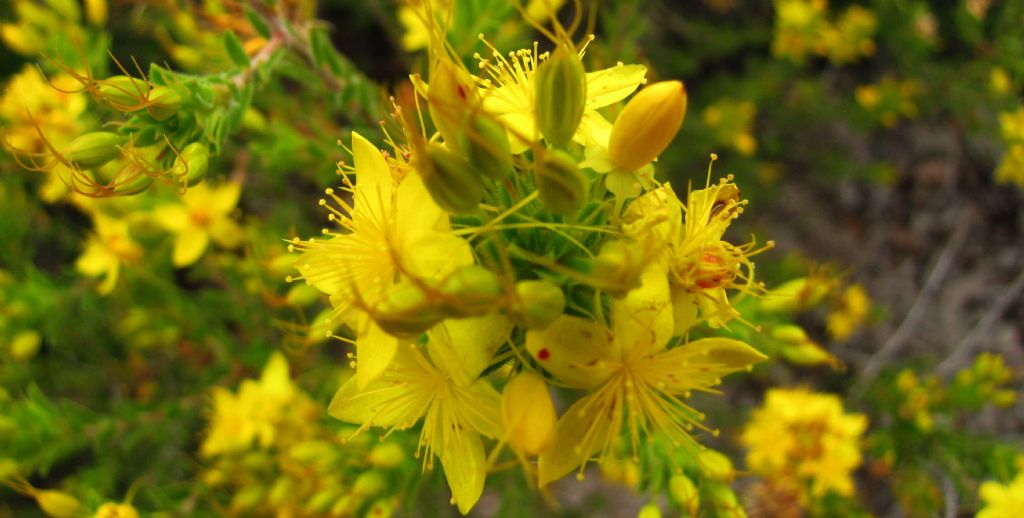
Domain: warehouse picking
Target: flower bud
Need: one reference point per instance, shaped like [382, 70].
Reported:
[116, 510]
[386, 455]
[164, 102]
[648, 123]
[123, 93]
[723, 499]
[795, 295]
[25, 345]
[469, 291]
[682, 490]
[368, 483]
[538, 303]
[618, 266]
[94, 149]
[450, 94]
[96, 11]
[560, 183]
[405, 311]
[58, 504]
[486, 144]
[192, 163]
[452, 183]
[716, 465]
[528, 414]
[651, 510]
[561, 95]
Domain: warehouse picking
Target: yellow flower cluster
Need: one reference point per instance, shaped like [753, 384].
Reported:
[805, 27]
[849, 312]
[527, 237]
[804, 444]
[202, 214]
[1003, 500]
[40, 24]
[889, 99]
[1011, 167]
[267, 444]
[731, 122]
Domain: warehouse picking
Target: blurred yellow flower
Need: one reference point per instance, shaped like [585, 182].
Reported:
[110, 246]
[1002, 500]
[203, 213]
[800, 437]
[849, 312]
[263, 411]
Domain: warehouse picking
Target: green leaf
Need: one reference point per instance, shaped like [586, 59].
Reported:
[257, 22]
[234, 47]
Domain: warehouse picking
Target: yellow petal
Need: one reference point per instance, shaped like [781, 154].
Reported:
[373, 180]
[224, 198]
[462, 456]
[701, 363]
[577, 430]
[463, 348]
[684, 310]
[225, 232]
[374, 351]
[643, 319]
[380, 404]
[614, 84]
[172, 217]
[189, 246]
[578, 352]
[417, 213]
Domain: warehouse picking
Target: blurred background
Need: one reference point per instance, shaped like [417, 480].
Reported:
[880, 144]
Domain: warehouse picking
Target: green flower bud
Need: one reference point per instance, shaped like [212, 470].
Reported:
[723, 499]
[647, 125]
[165, 101]
[452, 183]
[469, 291]
[618, 266]
[192, 163]
[58, 504]
[368, 483]
[486, 144]
[538, 304]
[684, 492]
[561, 184]
[561, 95]
[716, 465]
[650, 510]
[386, 455]
[94, 149]
[123, 93]
[406, 312]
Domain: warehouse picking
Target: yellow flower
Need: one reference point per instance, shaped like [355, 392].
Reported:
[203, 213]
[392, 230]
[116, 510]
[27, 98]
[442, 389]
[106, 250]
[799, 437]
[702, 266]
[508, 92]
[850, 313]
[637, 383]
[1012, 126]
[262, 411]
[1002, 500]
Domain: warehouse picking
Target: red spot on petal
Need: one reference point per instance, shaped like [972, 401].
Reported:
[543, 354]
